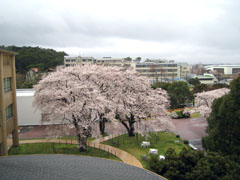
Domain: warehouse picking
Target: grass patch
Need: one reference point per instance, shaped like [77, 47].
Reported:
[195, 115]
[161, 141]
[55, 148]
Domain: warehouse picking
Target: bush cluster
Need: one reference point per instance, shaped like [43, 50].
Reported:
[194, 165]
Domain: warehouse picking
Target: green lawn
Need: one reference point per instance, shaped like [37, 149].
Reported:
[161, 141]
[55, 148]
[195, 115]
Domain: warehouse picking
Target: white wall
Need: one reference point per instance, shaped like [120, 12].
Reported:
[27, 115]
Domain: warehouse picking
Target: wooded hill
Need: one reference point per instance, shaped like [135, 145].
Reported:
[37, 57]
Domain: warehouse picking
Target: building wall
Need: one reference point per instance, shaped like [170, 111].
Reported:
[109, 61]
[71, 61]
[156, 70]
[228, 71]
[208, 79]
[27, 114]
[159, 71]
[208, 82]
[184, 70]
[8, 117]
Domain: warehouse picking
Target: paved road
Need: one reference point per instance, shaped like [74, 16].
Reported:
[62, 167]
[192, 129]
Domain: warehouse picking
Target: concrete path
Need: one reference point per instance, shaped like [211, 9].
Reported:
[124, 156]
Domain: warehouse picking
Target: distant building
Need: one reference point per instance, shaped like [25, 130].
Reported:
[32, 74]
[208, 79]
[121, 62]
[156, 70]
[224, 71]
[163, 70]
[79, 60]
[184, 70]
[109, 61]
[197, 69]
[8, 115]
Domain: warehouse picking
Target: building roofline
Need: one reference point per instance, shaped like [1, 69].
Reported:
[9, 52]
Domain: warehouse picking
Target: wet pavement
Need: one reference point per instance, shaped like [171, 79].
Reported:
[191, 129]
[40, 131]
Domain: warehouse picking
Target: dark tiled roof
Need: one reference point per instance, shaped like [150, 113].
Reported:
[65, 167]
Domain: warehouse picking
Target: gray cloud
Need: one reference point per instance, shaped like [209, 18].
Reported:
[202, 36]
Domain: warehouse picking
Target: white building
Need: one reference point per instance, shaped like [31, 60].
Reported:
[184, 70]
[121, 62]
[163, 70]
[155, 69]
[79, 60]
[208, 79]
[228, 71]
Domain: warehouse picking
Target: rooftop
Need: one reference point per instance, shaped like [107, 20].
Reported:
[62, 167]
[9, 52]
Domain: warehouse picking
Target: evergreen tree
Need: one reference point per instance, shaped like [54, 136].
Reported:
[224, 123]
[179, 94]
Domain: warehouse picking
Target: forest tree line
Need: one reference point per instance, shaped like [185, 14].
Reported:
[34, 57]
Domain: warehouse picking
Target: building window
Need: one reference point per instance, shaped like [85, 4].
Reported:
[9, 112]
[235, 70]
[219, 70]
[7, 84]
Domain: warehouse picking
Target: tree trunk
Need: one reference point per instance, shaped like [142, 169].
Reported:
[130, 126]
[82, 144]
[131, 129]
[82, 140]
[102, 124]
[131, 122]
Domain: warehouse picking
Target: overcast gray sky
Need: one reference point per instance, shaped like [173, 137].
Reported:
[194, 31]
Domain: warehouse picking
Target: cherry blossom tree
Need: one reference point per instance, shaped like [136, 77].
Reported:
[204, 100]
[68, 96]
[135, 100]
[80, 96]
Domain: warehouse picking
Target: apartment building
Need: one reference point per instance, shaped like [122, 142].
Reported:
[163, 70]
[78, 60]
[156, 70]
[109, 61]
[184, 70]
[8, 111]
[121, 62]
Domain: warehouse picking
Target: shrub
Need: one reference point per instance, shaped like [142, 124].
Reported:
[180, 114]
[186, 142]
